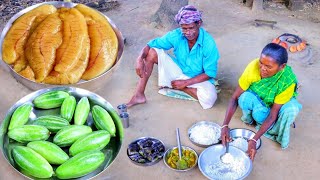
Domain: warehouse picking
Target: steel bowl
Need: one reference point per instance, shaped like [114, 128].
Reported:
[148, 163]
[244, 133]
[92, 84]
[211, 156]
[111, 150]
[213, 125]
[166, 154]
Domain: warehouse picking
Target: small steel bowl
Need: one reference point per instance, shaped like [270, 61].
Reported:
[244, 133]
[215, 126]
[212, 154]
[92, 84]
[166, 154]
[149, 163]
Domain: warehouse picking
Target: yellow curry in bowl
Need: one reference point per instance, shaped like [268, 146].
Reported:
[188, 160]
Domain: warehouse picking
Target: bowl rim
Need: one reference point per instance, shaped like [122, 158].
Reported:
[259, 141]
[183, 147]
[57, 4]
[207, 149]
[204, 122]
[147, 163]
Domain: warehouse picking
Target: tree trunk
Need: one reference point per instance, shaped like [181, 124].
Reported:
[257, 5]
[249, 3]
[164, 17]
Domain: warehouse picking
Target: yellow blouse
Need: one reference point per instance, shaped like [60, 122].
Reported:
[252, 74]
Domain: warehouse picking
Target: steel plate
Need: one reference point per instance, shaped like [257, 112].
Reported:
[149, 163]
[212, 154]
[215, 126]
[111, 150]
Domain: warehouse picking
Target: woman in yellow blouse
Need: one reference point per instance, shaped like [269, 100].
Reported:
[266, 94]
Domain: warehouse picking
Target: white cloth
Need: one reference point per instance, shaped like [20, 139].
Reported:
[168, 71]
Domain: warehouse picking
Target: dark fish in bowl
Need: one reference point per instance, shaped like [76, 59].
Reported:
[145, 143]
[133, 149]
[158, 146]
[149, 150]
[143, 153]
[138, 158]
[152, 157]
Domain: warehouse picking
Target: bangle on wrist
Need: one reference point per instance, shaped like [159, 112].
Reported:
[226, 125]
[253, 140]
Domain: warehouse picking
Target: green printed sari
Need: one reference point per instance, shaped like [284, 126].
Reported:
[268, 88]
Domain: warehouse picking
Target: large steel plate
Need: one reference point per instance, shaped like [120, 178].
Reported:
[111, 150]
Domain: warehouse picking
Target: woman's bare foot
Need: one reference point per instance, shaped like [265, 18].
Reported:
[137, 99]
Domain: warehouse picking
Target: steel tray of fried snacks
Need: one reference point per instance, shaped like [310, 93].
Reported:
[92, 84]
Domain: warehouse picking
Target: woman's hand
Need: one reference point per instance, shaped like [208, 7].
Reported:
[179, 84]
[140, 67]
[225, 137]
[232, 107]
[252, 149]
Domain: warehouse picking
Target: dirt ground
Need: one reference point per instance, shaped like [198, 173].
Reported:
[239, 42]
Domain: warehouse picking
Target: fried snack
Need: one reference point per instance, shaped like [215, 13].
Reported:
[103, 43]
[41, 46]
[28, 73]
[13, 44]
[38, 20]
[75, 74]
[21, 63]
[74, 33]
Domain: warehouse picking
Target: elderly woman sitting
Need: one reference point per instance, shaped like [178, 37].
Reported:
[266, 95]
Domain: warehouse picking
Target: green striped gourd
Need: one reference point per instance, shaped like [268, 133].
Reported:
[118, 123]
[82, 111]
[103, 120]
[28, 133]
[51, 152]
[80, 165]
[51, 122]
[69, 134]
[20, 116]
[32, 162]
[96, 140]
[67, 108]
[51, 99]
